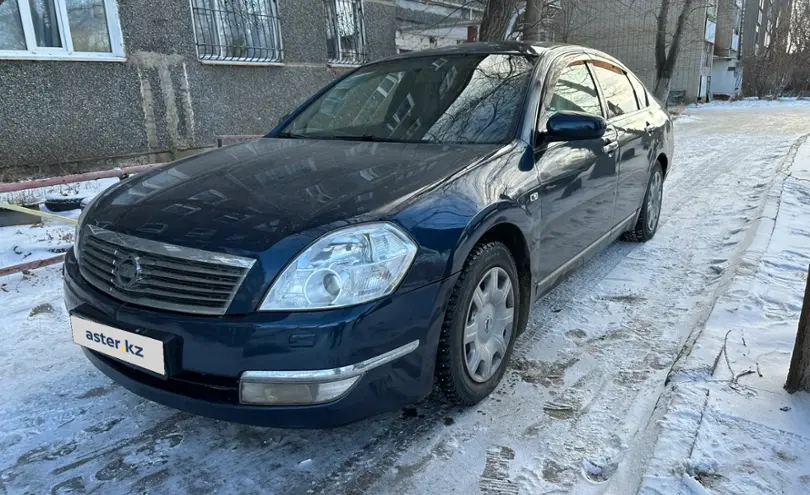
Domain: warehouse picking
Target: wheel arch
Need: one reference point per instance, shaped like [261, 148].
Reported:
[508, 224]
[664, 161]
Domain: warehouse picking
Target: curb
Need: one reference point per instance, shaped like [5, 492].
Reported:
[704, 355]
[666, 471]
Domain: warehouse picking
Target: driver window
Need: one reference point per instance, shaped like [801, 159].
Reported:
[575, 91]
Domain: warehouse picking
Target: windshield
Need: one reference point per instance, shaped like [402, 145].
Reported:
[439, 99]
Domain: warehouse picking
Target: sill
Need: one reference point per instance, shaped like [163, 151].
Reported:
[242, 63]
[50, 57]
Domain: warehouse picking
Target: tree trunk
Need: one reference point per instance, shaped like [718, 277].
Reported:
[799, 374]
[495, 20]
[532, 20]
[661, 90]
[665, 59]
[661, 41]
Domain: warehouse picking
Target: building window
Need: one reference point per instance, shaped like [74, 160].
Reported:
[345, 33]
[237, 30]
[60, 29]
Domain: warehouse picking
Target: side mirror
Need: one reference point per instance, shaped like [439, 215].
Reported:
[574, 126]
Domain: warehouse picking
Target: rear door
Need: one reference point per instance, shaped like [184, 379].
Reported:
[629, 120]
[577, 178]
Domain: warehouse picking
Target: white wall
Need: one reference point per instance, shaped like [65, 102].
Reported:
[422, 39]
[724, 81]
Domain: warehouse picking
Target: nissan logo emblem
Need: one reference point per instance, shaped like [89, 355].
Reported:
[127, 273]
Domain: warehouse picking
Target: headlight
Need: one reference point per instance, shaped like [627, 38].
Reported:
[346, 267]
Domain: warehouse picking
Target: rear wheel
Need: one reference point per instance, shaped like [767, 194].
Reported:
[480, 326]
[647, 223]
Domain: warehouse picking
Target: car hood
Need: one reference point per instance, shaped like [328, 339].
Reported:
[245, 198]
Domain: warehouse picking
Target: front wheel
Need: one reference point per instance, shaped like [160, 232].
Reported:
[480, 325]
[650, 214]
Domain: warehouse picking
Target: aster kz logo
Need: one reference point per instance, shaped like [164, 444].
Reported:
[127, 272]
[124, 346]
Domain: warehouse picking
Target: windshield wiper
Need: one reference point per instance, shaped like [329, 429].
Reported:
[370, 138]
[342, 137]
[291, 135]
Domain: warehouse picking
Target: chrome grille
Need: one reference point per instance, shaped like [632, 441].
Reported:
[159, 275]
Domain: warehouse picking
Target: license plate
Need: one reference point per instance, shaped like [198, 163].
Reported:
[125, 346]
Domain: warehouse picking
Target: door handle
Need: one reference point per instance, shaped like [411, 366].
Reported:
[610, 147]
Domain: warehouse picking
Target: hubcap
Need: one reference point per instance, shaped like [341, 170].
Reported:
[488, 327]
[654, 200]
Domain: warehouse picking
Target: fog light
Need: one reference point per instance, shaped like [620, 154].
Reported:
[268, 393]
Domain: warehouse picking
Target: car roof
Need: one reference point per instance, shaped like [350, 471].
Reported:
[506, 47]
[483, 48]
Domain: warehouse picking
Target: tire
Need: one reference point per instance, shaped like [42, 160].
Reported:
[648, 219]
[63, 204]
[460, 381]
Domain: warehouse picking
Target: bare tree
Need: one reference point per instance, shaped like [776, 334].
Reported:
[667, 57]
[800, 37]
[538, 19]
[783, 64]
[578, 21]
[497, 16]
[575, 20]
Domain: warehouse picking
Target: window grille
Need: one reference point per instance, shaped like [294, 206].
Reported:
[345, 32]
[237, 30]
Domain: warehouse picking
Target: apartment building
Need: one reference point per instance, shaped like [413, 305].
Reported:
[761, 19]
[91, 84]
[627, 30]
[727, 73]
[757, 26]
[423, 24]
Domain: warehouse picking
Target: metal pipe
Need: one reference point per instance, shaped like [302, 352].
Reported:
[8, 270]
[67, 179]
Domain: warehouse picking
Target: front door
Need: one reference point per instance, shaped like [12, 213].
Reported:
[631, 123]
[578, 179]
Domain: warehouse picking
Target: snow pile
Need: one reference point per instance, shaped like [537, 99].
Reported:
[86, 189]
[736, 430]
[23, 243]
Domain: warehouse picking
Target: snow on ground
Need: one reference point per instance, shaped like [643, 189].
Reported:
[749, 103]
[577, 412]
[731, 426]
[23, 243]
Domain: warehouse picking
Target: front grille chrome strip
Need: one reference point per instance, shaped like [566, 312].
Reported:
[169, 277]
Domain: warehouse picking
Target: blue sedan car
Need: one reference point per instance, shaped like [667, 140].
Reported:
[387, 236]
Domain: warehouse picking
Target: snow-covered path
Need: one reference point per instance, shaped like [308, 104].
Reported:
[575, 412]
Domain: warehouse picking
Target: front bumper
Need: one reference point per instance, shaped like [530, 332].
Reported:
[207, 355]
